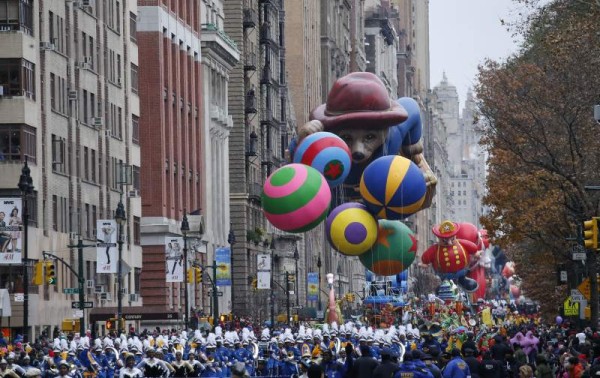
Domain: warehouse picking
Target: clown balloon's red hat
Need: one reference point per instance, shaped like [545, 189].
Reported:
[446, 229]
[359, 100]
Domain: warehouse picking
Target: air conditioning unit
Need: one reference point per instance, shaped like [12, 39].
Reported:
[106, 296]
[72, 96]
[133, 193]
[46, 46]
[83, 65]
[89, 284]
[97, 122]
[134, 297]
[99, 289]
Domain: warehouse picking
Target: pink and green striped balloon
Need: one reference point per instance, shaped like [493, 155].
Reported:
[296, 198]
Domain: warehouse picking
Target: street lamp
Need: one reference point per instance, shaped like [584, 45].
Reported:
[231, 241]
[297, 283]
[121, 219]
[272, 293]
[319, 266]
[185, 228]
[26, 187]
[339, 272]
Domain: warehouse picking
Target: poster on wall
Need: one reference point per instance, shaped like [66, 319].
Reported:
[11, 230]
[106, 246]
[174, 259]
[312, 280]
[223, 261]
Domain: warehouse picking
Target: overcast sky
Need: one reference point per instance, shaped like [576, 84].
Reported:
[462, 34]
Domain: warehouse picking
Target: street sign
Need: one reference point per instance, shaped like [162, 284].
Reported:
[71, 290]
[563, 276]
[78, 313]
[577, 248]
[571, 308]
[19, 297]
[219, 293]
[584, 288]
[579, 256]
[576, 296]
[75, 305]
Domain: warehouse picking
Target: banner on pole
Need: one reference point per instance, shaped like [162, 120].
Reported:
[312, 281]
[11, 230]
[106, 246]
[223, 261]
[263, 280]
[174, 259]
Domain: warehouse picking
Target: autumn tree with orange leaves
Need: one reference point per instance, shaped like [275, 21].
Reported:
[544, 145]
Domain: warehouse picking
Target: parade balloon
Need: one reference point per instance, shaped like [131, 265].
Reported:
[328, 154]
[468, 231]
[351, 229]
[393, 187]
[394, 251]
[296, 198]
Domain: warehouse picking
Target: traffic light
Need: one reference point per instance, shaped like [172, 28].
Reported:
[50, 273]
[190, 275]
[198, 273]
[590, 233]
[38, 273]
[122, 324]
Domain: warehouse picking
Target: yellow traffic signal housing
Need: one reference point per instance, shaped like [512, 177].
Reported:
[198, 273]
[50, 273]
[254, 284]
[110, 324]
[38, 273]
[590, 233]
[190, 275]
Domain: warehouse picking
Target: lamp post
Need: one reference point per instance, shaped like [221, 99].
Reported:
[121, 219]
[26, 187]
[272, 293]
[185, 228]
[319, 266]
[297, 282]
[339, 272]
[231, 241]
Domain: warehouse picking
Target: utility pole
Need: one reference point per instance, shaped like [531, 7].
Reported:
[81, 280]
[215, 295]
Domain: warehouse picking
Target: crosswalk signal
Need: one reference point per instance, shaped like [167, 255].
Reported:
[590, 233]
[198, 274]
[110, 324]
[50, 273]
[190, 275]
[38, 273]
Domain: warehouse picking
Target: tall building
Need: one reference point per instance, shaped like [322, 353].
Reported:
[69, 107]
[260, 106]
[185, 59]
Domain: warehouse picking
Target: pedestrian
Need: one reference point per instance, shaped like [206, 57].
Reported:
[388, 367]
[364, 365]
[457, 367]
[543, 370]
[525, 371]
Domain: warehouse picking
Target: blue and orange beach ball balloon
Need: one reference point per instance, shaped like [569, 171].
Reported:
[328, 154]
[393, 187]
[351, 229]
[394, 251]
[296, 198]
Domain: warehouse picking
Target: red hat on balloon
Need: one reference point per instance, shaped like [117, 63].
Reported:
[359, 100]
[446, 229]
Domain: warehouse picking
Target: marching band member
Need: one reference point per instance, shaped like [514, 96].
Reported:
[130, 370]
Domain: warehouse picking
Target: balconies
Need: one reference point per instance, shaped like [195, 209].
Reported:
[250, 107]
[254, 191]
[250, 61]
[268, 36]
[266, 118]
[250, 18]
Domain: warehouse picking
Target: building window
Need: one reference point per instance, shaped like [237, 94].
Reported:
[58, 154]
[132, 27]
[134, 78]
[135, 129]
[55, 213]
[86, 164]
[93, 165]
[17, 77]
[17, 142]
[137, 235]
[16, 15]
[136, 278]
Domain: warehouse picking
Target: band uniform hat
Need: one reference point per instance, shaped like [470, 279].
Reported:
[359, 100]
[446, 229]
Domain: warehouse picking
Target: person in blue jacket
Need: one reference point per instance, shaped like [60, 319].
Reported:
[408, 369]
[457, 367]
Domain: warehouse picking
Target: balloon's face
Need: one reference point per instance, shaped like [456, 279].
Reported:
[362, 142]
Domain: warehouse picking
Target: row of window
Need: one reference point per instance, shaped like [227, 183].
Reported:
[459, 184]
[17, 142]
[17, 78]
[458, 192]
